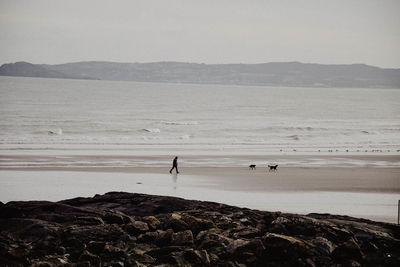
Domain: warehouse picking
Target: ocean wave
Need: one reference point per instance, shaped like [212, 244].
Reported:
[55, 132]
[181, 122]
[154, 130]
[294, 137]
[307, 128]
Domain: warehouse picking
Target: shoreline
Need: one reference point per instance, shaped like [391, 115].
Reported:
[90, 159]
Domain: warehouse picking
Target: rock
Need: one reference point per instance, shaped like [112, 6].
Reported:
[19, 252]
[136, 228]
[74, 247]
[183, 238]
[140, 248]
[114, 253]
[210, 238]
[247, 252]
[152, 222]
[235, 245]
[248, 232]
[89, 220]
[123, 229]
[134, 258]
[113, 218]
[176, 223]
[148, 237]
[280, 247]
[115, 264]
[96, 247]
[134, 263]
[83, 264]
[162, 253]
[197, 257]
[61, 250]
[43, 264]
[349, 250]
[196, 224]
[87, 256]
[164, 237]
[9, 211]
[226, 223]
[323, 245]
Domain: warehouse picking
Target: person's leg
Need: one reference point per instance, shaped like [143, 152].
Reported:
[176, 169]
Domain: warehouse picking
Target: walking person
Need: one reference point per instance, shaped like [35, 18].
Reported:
[174, 165]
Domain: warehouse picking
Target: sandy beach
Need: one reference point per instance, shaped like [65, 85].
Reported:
[379, 180]
[370, 191]
[354, 173]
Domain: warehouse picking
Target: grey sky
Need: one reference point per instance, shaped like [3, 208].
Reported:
[209, 31]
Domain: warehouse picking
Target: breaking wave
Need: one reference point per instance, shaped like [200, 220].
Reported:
[154, 130]
[181, 122]
[55, 132]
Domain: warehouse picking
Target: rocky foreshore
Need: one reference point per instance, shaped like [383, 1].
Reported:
[124, 229]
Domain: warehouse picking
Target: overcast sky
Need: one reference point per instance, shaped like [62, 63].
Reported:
[203, 31]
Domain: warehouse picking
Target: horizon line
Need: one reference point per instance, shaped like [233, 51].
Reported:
[203, 63]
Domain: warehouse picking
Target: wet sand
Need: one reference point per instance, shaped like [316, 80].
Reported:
[369, 192]
[355, 179]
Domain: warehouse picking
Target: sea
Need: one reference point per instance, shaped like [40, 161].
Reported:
[50, 112]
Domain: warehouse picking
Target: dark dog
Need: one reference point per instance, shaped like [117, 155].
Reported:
[272, 167]
[252, 166]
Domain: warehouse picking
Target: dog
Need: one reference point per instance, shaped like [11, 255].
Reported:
[252, 166]
[273, 167]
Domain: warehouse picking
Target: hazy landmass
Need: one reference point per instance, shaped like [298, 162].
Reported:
[270, 74]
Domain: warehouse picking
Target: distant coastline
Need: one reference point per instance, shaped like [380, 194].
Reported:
[288, 74]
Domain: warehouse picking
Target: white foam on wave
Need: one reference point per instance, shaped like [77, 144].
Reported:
[181, 122]
[154, 130]
[55, 132]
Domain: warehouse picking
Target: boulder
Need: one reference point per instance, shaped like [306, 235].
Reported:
[349, 250]
[281, 247]
[197, 224]
[176, 223]
[137, 227]
[183, 238]
[152, 222]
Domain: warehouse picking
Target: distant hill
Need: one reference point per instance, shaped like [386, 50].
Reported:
[25, 69]
[271, 74]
